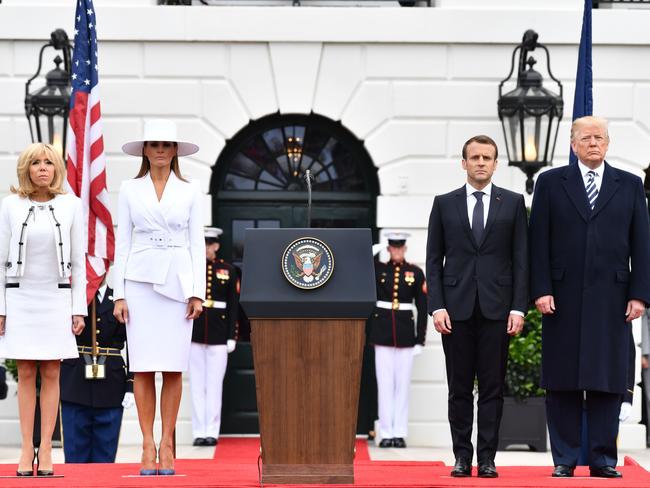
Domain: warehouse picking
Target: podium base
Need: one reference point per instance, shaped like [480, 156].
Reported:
[308, 473]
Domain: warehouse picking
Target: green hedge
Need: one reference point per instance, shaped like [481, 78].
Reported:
[525, 359]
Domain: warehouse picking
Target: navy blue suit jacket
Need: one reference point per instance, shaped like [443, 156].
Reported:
[592, 262]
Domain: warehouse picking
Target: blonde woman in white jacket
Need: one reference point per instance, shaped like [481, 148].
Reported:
[159, 284]
[42, 291]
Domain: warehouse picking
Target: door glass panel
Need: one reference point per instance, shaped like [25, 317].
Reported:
[238, 229]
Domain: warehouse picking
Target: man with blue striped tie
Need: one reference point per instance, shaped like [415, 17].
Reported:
[590, 277]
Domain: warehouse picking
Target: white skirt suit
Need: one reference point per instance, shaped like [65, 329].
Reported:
[42, 280]
[159, 266]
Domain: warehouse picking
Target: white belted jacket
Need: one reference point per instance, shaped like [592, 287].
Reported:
[161, 242]
[65, 210]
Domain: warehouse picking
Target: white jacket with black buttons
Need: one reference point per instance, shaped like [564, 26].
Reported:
[66, 216]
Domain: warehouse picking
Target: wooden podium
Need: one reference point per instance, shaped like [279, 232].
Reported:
[307, 351]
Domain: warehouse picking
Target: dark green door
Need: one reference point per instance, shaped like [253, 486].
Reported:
[260, 181]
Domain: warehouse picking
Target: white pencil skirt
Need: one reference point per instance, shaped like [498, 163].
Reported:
[38, 323]
[158, 334]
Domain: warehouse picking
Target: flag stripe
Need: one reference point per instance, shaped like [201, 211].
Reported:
[85, 158]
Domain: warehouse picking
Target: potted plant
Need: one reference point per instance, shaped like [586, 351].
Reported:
[524, 411]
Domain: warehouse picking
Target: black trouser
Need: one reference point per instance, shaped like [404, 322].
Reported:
[564, 418]
[476, 349]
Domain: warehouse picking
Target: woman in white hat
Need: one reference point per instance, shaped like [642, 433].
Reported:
[42, 291]
[159, 279]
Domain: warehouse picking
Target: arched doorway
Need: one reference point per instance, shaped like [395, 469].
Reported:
[258, 182]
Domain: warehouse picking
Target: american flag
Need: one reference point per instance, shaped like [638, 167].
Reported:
[85, 161]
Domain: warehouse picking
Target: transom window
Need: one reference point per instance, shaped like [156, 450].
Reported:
[276, 156]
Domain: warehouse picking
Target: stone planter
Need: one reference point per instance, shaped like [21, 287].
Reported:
[523, 422]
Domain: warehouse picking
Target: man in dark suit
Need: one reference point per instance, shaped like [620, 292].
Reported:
[477, 279]
[91, 408]
[590, 277]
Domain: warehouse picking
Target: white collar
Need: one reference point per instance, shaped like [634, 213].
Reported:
[584, 169]
[101, 291]
[470, 189]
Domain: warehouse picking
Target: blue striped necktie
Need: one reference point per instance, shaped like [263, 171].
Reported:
[592, 191]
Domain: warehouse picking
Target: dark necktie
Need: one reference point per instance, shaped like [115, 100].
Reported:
[477, 217]
[592, 190]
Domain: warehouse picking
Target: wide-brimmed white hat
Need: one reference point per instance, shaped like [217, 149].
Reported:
[159, 130]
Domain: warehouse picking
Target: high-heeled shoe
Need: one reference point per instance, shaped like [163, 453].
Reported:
[42, 472]
[150, 472]
[166, 471]
[27, 472]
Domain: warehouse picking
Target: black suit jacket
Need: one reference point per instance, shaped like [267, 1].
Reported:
[496, 269]
[107, 392]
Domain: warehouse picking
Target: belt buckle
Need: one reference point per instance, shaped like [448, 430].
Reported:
[159, 239]
[395, 305]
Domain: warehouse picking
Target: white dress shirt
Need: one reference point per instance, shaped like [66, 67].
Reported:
[598, 179]
[471, 202]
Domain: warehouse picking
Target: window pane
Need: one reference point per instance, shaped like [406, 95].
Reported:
[276, 158]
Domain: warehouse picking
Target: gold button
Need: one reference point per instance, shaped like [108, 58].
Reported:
[396, 268]
[98, 331]
[99, 319]
[209, 296]
[395, 287]
[223, 317]
[396, 279]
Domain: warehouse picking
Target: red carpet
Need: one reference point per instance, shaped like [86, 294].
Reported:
[247, 449]
[235, 464]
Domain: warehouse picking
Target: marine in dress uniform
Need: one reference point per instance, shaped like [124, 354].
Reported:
[396, 337]
[214, 336]
[91, 409]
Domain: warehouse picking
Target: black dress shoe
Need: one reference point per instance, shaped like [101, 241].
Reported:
[386, 443]
[462, 468]
[563, 471]
[487, 469]
[399, 442]
[604, 472]
[211, 441]
[199, 441]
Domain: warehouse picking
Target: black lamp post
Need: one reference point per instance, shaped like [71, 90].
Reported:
[47, 107]
[530, 114]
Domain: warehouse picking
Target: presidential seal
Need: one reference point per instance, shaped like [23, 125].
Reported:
[307, 263]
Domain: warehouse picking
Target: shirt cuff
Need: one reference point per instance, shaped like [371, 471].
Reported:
[517, 312]
[438, 310]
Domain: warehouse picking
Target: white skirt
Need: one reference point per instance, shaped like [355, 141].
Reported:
[158, 334]
[38, 323]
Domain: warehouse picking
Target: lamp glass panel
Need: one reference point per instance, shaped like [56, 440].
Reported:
[531, 139]
[513, 139]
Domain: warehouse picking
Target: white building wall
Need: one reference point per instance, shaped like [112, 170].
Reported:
[413, 84]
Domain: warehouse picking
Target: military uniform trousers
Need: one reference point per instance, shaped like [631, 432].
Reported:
[393, 369]
[207, 370]
[90, 433]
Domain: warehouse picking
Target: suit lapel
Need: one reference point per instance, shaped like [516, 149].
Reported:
[575, 188]
[495, 206]
[147, 194]
[608, 187]
[461, 206]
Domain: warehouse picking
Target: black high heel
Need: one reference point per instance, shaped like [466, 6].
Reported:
[31, 471]
[42, 472]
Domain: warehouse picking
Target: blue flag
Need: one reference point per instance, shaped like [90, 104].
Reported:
[583, 100]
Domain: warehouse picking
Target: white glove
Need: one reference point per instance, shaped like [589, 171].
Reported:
[128, 401]
[417, 350]
[626, 409]
[230, 345]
